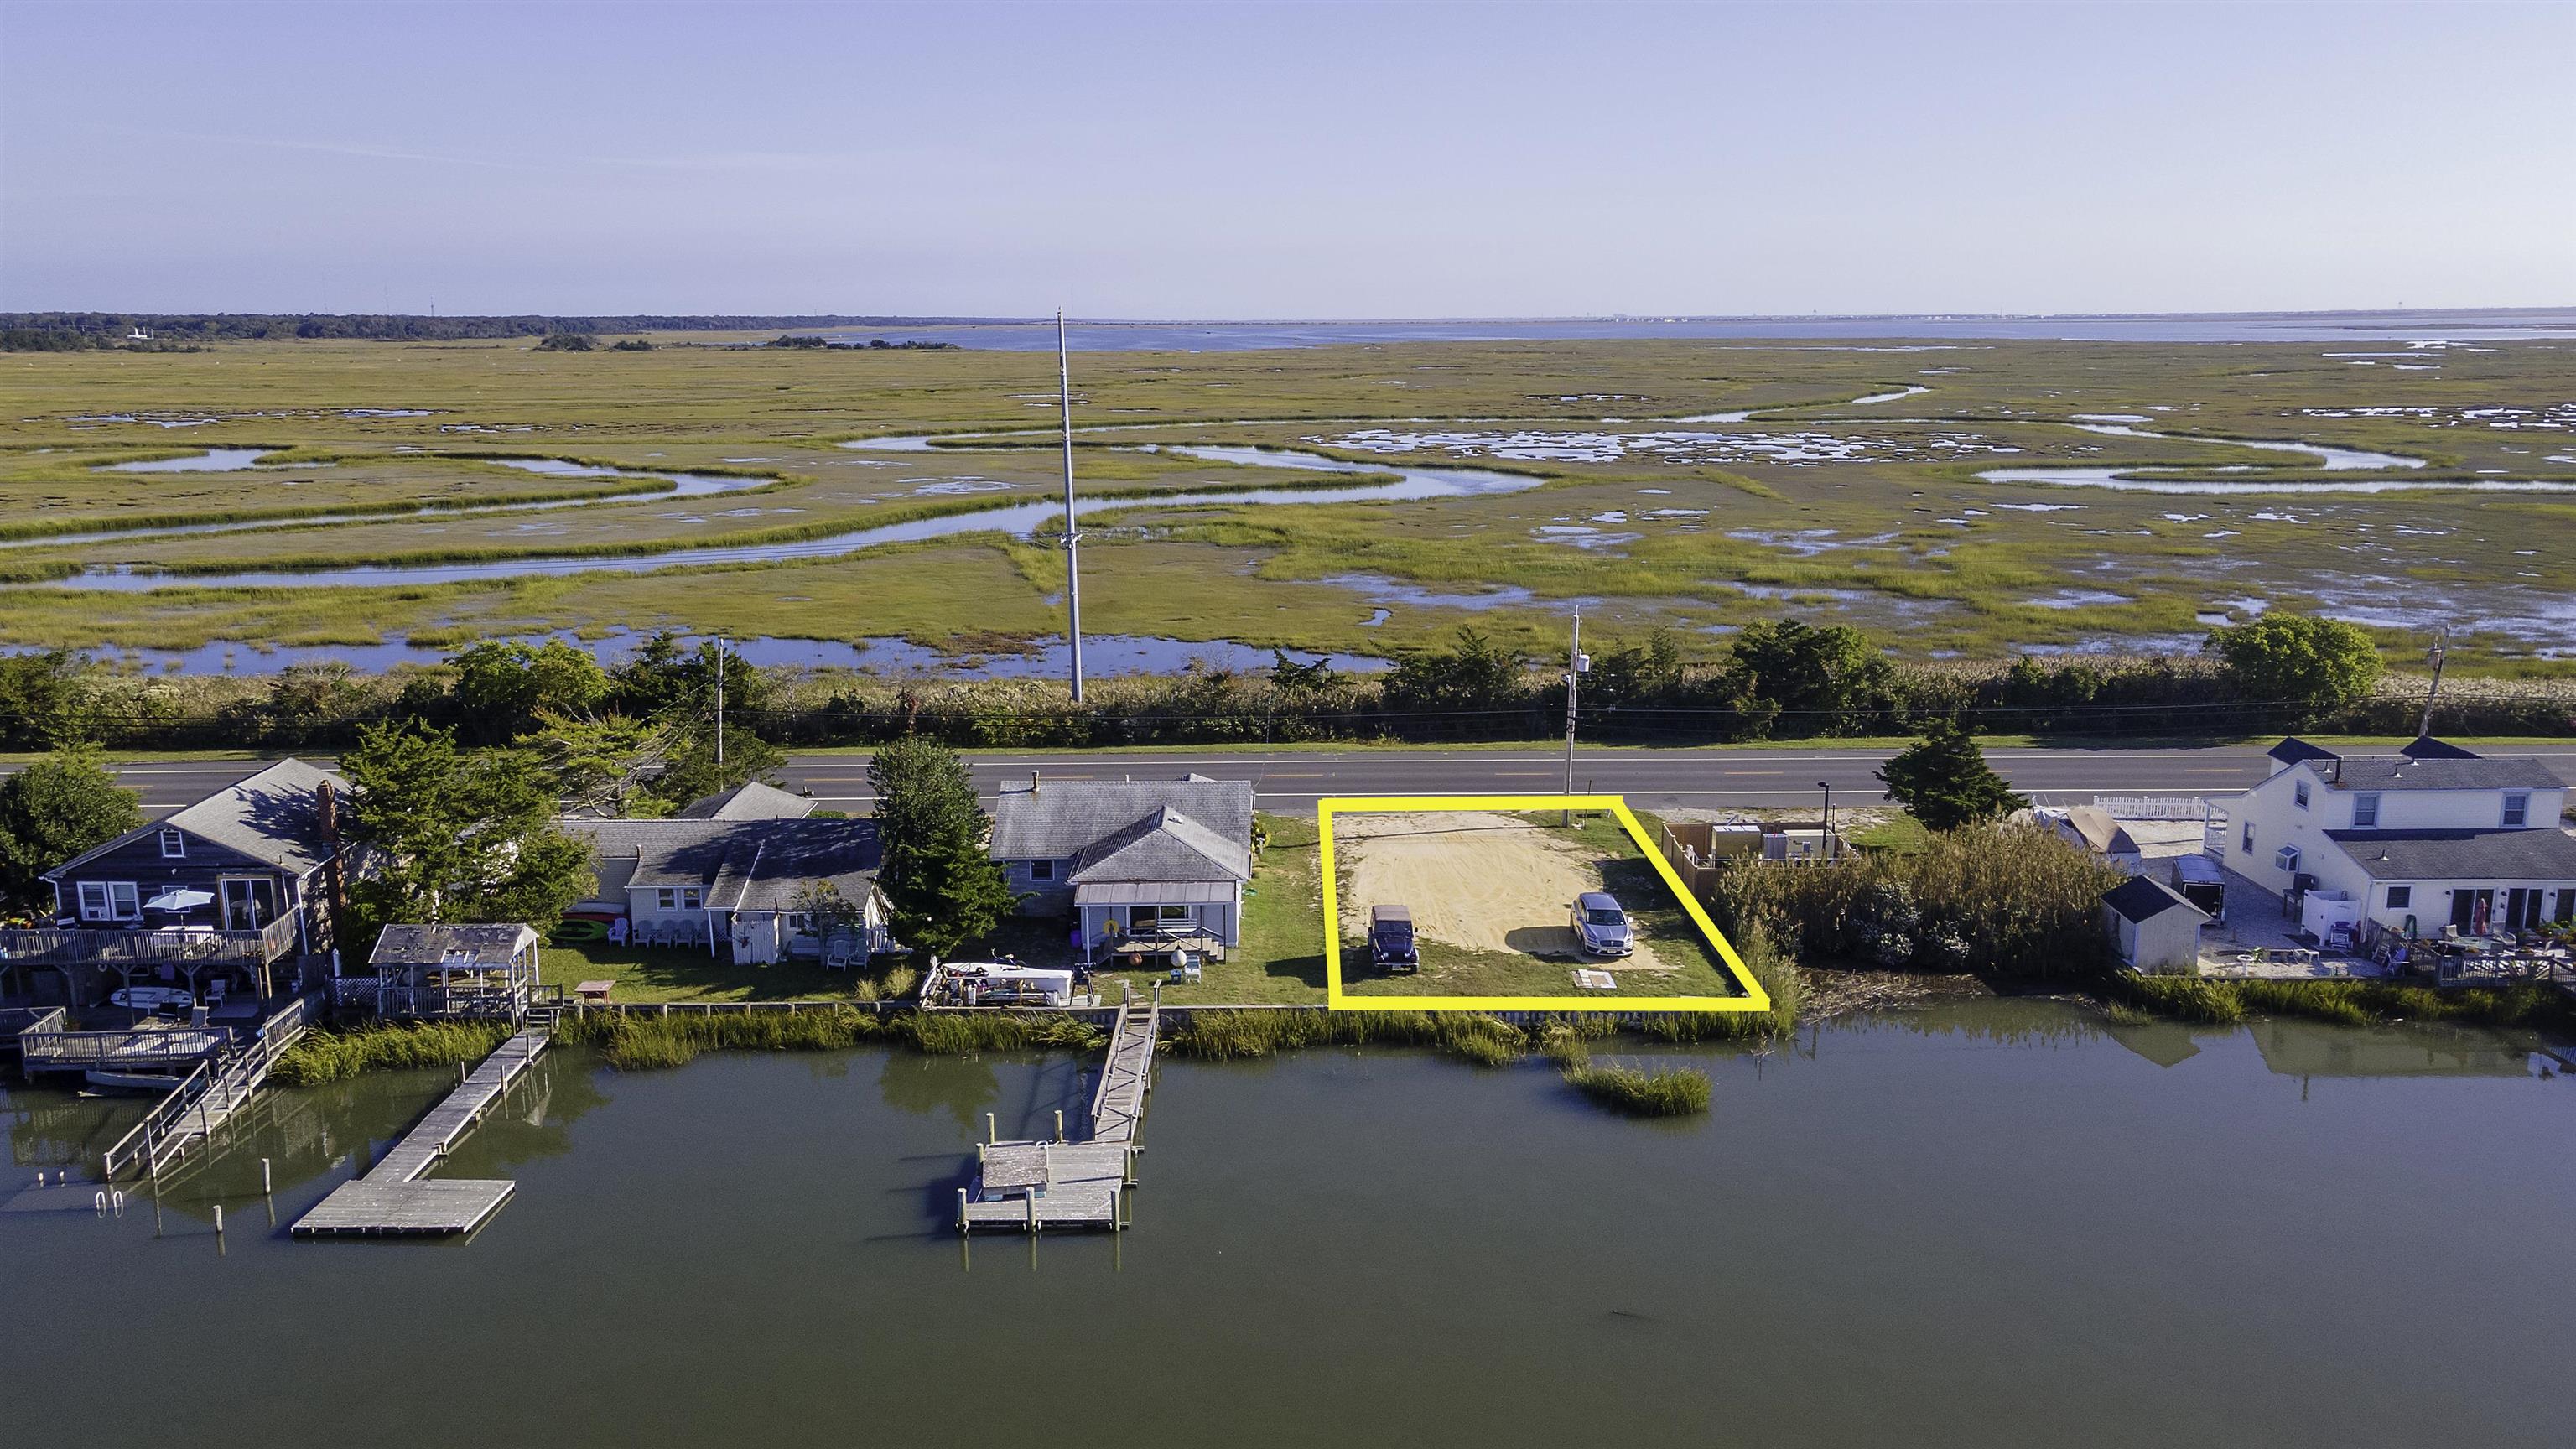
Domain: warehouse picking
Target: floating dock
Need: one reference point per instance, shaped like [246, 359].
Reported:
[1033, 1186]
[393, 1201]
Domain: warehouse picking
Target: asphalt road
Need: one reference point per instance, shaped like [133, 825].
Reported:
[1291, 781]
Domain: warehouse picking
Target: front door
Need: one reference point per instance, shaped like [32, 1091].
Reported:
[249, 903]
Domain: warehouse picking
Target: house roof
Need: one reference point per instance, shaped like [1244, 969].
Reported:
[269, 817]
[752, 801]
[1064, 818]
[753, 865]
[2544, 854]
[1164, 846]
[2292, 749]
[2425, 747]
[467, 945]
[2141, 899]
[2441, 772]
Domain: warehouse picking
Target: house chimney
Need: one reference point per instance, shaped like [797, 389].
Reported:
[335, 879]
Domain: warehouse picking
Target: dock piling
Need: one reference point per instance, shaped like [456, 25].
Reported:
[267, 1187]
[219, 1220]
[1059, 1124]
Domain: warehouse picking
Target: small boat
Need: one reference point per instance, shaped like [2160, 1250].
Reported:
[131, 1081]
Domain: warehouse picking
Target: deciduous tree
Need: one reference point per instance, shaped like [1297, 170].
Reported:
[50, 812]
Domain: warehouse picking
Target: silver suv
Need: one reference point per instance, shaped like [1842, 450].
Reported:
[1600, 927]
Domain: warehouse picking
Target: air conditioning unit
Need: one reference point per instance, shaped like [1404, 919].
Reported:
[2286, 858]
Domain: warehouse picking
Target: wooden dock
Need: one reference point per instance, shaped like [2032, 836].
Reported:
[199, 1105]
[392, 1200]
[1033, 1186]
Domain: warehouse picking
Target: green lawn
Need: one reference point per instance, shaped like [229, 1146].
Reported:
[651, 973]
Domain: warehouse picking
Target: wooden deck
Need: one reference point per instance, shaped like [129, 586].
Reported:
[1033, 1186]
[392, 1200]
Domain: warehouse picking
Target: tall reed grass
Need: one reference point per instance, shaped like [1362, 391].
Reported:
[632, 1041]
[2343, 1003]
[331, 1056]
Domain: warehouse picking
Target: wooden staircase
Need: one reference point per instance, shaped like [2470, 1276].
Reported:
[204, 1100]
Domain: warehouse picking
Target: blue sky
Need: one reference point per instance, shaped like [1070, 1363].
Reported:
[1246, 160]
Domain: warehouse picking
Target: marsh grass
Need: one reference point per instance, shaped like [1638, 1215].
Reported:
[635, 1041]
[1661, 1092]
[2342, 1003]
[331, 1056]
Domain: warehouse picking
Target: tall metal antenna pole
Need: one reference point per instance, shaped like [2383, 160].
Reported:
[2441, 648]
[720, 673]
[1072, 540]
[1573, 687]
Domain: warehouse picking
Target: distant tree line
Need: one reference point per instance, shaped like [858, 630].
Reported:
[1785, 681]
[103, 329]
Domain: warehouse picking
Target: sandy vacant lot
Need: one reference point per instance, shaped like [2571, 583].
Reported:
[1480, 881]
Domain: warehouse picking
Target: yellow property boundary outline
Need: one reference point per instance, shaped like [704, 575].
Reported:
[1753, 999]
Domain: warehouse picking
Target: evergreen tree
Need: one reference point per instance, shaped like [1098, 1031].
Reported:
[455, 835]
[943, 889]
[1943, 780]
[50, 812]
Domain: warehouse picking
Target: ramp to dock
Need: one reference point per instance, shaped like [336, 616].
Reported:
[1032, 1186]
[393, 1200]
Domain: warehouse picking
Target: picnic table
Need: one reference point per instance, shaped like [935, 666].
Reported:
[594, 991]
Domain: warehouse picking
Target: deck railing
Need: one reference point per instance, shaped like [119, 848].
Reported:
[142, 1047]
[111, 947]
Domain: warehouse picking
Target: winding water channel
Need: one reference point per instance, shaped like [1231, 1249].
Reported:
[1998, 1224]
[1026, 518]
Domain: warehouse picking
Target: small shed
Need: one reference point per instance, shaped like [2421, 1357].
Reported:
[2151, 928]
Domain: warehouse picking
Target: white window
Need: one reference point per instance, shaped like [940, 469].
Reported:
[2245, 843]
[174, 845]
[1041, 870]
[2365, 811]
[109, 900]
[2517, 808]
[1170, 914]
[2400, 897]
[688, 898]
[677, 898]
[799, 923]
[2286, 858]
[2299, 793]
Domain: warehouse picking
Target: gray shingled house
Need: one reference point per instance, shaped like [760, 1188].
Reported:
[218, 897]
[1141, 865]
[726, 875]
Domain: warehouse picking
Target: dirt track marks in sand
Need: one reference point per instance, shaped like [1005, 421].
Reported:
[1480, 881]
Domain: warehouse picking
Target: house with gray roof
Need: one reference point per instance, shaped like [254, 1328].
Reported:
[737, 888]
[1138, 864]
[217, 897]
[2428, 836]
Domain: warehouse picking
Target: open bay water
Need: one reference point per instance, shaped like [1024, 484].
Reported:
[1988, 1224]
[2477, 325]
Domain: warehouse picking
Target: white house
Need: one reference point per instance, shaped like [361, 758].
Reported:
[2428, 837]
[2151, 928]
[1139, 863]
[732, 878]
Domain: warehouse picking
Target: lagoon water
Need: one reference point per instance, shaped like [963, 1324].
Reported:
[1998, 1224]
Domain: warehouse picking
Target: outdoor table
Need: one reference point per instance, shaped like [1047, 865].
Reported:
[594, 990]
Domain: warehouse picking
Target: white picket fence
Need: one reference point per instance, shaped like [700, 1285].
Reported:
[2150, 807]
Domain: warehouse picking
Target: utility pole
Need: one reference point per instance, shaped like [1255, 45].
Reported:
[1828, 842]
[2441, 648]
[1575, 664]
[720, 673]
[1072, 540]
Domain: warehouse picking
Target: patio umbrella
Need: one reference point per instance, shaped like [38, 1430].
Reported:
[179, 898]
